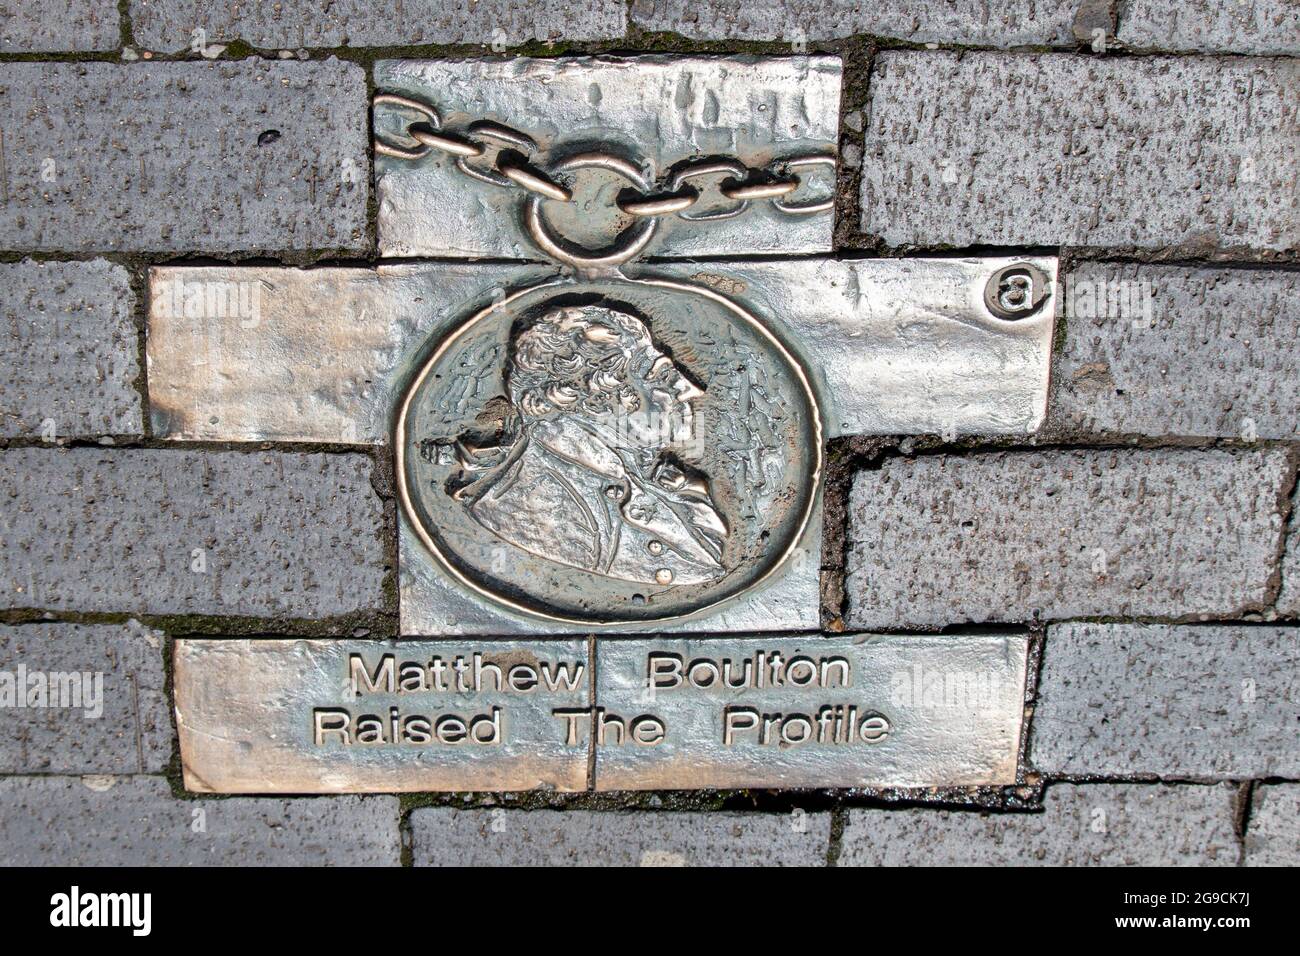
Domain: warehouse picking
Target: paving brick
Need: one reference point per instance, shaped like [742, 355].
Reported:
[447, 837]
[1211, 26]
[1095, 825]
[174, 157]
[1202, 701]
[1288, 601]
[1273, 834]
[1169, 351]
[135, 821]
[169, 24]
[1005, 24]
[278, 534]
[59, 26]
[1057, 149]
[69, 353]
[1022, 536]
[83, 698]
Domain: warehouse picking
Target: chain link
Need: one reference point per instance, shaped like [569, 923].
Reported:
[429, 116]
[740, 184]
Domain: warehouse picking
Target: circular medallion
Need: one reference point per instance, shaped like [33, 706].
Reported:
[609, 450]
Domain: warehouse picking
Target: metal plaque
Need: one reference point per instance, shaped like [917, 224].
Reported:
[866, 711]
[331, 716]
[890, 346]
[611, 429]
[690, 121]
[778, 351]
[608, 472]
[883, 711]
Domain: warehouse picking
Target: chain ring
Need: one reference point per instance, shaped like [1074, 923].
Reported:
[627, 246]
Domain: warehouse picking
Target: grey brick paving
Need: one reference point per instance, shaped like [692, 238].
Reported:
[69, 352]
[59, 26]
[168, 24]
[1273, 834]
[986, 148]
[171, 156]
[1046, 535]
[1288, 601]
[1195, 701]
[1003, 24]
[121, 720]
[1169, 351]
[1097, 825]
[1213, 26]
[116, 530]
[135, 821]
[447, 837]
[1192, 153]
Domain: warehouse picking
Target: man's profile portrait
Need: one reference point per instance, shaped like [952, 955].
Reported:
[587, 475]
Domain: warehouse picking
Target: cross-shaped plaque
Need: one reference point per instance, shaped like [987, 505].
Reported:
[606, 347]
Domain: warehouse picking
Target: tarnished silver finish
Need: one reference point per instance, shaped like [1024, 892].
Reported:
[761, 190]
[585, 451]
[659, 206]
[809, 207]
[448, 144]
[498, 135]
[349, 716]
[660, 114]
[886, 346]
[892, 346]
[603, 445]
[899, 346]
[848, 711]
[416, 112]
[316, 355]
[533, 182]
[889, 347]
[729, 169]
[647, 204]
[432, 602]
[631, 242]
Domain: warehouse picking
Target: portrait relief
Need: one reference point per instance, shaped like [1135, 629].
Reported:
[592, 467]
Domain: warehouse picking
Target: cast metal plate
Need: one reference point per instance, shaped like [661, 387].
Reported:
[660, 113]
[610, 450]
[611, 429]
[885, 346]
[891, 346]
[346, 715]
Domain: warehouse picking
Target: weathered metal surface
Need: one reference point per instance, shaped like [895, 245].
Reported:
[849, 711]
[274, 354]
[432, 601]
[900, 346]
[610, 450]
[327, 716]
[660, 114]
[601, 443]
[777, 350]
[892, 346]
[887, 346]
[294, 716]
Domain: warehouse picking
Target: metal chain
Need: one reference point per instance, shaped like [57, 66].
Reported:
[740, 184]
